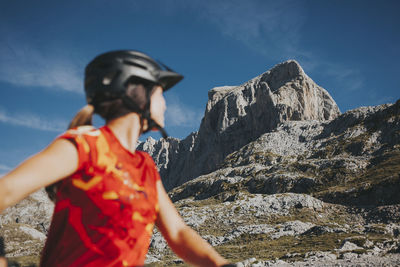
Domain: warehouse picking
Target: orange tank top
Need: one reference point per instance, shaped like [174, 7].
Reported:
[105, 212]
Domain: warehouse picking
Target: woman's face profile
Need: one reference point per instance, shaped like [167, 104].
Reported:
[158, 106]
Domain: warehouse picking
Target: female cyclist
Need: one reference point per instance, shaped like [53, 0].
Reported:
[108, 196]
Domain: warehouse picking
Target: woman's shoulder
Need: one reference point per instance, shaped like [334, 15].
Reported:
[83, 130]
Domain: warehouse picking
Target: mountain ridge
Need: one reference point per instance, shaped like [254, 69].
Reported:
[236, 115]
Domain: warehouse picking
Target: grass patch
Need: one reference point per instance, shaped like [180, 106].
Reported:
[248, 155]
[331, 217]
[378, 185]
[25, 261]
[263, 248]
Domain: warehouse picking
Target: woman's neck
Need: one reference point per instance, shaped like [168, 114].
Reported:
[127, 130]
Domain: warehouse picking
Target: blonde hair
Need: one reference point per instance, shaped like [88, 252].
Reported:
[83, 117]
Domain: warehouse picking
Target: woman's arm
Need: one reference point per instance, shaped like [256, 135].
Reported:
[58, 160]
[183, 240]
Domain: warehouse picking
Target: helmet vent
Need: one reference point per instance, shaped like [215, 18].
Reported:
[108, 78]
[135, 64]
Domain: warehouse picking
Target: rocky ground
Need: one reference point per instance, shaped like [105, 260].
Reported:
[24, 228]
[306, 193]
[297, 185]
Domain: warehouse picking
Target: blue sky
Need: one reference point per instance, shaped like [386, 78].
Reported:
[351, 48]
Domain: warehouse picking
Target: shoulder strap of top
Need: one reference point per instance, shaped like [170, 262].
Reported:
[84, 138]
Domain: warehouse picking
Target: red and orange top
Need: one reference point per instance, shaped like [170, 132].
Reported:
[105, 212]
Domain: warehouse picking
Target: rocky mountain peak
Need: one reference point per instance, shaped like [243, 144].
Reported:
[284, 72]
[237, 115]
[283, 93]
[275, 78]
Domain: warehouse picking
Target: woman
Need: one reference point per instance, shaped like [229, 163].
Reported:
[108, 195]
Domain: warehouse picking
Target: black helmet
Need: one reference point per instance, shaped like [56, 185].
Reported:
[108, 75]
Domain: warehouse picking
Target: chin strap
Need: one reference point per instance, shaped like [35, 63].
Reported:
[162, 131]
[151, 124]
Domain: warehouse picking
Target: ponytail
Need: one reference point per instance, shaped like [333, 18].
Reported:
[83, 117]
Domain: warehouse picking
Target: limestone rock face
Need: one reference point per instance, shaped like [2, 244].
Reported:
[171, 156]
[237, 115]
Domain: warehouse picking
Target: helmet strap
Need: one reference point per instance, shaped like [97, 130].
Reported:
[151, 124]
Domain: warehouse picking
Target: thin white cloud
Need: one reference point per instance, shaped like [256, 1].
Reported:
[33, 121]
[273, 28]
[349, 78]
[385, 100]
[178, 114]
[4, 169]
[25, 65]
[270, 27]
[375, 97]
